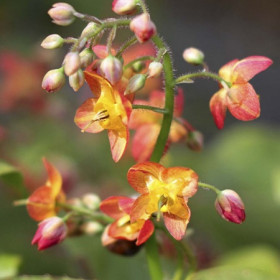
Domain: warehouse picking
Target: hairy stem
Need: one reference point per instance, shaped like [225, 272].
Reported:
[151, 108]
[142, 58]
[209, 187]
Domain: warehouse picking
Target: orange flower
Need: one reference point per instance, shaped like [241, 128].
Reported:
[110, 110]
[119, 207]
[147, 125]
[165, 190]
[241, 98]
[42, 202]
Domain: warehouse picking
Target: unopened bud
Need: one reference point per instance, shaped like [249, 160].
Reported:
[62, 14]
[136, 83]
[230, 206]
[143, 27]
[71, 63]
[91, 201]
[193, 56]
[54, 80]
[138, 66]
[86, 57]
[77, 80]
[89, 29]
[52, 42]
[195, 140]
[50, 232]
[124, 7]
[111, 69]
[91, 228]
[155, 68]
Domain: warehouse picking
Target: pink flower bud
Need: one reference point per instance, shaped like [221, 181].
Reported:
[230, 206]
[155, 68]
[62, 14]
[54, 80]
[86, 57]
[50, 232]
[136, 83]
[52, 42]
[77, 80]
[195, 140]
[111, 69]
[124, 7]
[143, 27]
[72, 63]
[193, 56]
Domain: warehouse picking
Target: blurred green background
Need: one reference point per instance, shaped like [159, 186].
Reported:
[244, 156]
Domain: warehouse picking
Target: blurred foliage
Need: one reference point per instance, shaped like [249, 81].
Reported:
[9, 265]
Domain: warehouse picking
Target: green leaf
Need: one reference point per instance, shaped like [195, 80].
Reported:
[12, 178]
[9, 265]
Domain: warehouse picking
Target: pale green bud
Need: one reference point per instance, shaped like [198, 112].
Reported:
[54, 80]
[71, 63]
[52, 42]
[136, 83]
[77, 80]
[193, 56]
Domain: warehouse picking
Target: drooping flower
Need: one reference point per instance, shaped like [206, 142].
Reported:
[148, 124]
[119, 208]
[109, 110]
[42, 203]
[230, 206]
[163, 190]
[240, 99]
[50, 232]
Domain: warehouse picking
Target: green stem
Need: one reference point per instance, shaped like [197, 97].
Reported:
[142, 58]
[190, 76]
[111, 38]
[151, 108]
[95, 216]
[169, 102]
[143, 6]
[209, 187]
[153, 258]
[126, 45]
[87, 17]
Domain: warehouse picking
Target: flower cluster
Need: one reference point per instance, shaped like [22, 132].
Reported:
[115, 79]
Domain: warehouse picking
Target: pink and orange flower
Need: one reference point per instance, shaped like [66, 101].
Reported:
[148, 124]
[240, 98]
[42, 203]
[119, 208]
[163, 190]
[109, 110]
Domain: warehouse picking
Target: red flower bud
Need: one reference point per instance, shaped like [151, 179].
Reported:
[143, 27]
[230, 206]
[124, 7]
[62, 14]
[54, 80]
[50, 232]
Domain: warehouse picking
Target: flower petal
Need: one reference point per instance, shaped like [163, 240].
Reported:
[145, 232]
[226, 71]
[218, 107]
[142, 208]
[41, 204]
[141, 174]
[111, 206]
[175, 225]
[247, 68]
[118, 141]
[177, 132]
[243, 102]
[101, 51]
[179, 103]
[98, 84]
[184, 180]
[85, 115]
[144, 141]
[54, 178]
[127, 232]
